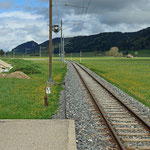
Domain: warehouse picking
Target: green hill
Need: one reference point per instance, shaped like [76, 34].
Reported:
[126, 42]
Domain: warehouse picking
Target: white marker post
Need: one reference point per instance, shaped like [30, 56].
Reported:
[47, 91]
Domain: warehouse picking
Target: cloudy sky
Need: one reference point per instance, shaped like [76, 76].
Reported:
[26, 20]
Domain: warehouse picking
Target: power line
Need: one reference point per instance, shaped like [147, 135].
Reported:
[86, 13]
[58, 15]
[84, 8]
[71, 26]
[68, 5]
[82, 15]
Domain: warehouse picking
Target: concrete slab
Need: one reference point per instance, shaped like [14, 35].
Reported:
[37, 135]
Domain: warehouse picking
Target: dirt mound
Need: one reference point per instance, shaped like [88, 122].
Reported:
[17, 74]
[2, 75]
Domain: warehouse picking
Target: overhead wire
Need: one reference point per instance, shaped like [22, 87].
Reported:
[84, 11]
[57, 12]
[82, 15]
[85, 14]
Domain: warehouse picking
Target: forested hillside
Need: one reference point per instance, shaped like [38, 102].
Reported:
[100, 42]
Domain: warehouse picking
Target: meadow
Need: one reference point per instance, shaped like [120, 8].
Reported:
[24, 98]
[130, 75]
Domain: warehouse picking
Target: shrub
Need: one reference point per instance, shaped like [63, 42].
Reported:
[113, 51]
[27, 67]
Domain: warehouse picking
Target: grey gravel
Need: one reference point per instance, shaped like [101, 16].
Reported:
[61, 114]
[74, 104]
[79, 108]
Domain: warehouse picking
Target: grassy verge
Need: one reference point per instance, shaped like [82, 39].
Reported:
[130, 75]
[24, 99]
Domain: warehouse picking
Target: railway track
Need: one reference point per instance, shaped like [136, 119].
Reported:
[123, 126]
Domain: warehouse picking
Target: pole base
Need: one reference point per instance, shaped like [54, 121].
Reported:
[50, 82]
[45, 101]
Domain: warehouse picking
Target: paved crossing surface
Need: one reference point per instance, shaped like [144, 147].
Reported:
[37, 135]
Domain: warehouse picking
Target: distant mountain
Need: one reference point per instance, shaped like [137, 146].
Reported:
[101, 42]
[28, 47]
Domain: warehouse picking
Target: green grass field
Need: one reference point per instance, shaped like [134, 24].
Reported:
[130, 75]
[24, 98]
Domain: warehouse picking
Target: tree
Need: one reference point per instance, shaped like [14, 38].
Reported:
[107, 53]
[136, 53]
[120, 54]
[113, 51]
[95, 53]
[1, 52]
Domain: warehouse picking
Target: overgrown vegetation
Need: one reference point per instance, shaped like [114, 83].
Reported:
[25, 66]
[24, 99]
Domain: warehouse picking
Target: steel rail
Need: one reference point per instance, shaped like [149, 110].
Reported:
[99, 108]
[147, 126]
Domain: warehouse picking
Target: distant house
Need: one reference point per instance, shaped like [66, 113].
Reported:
[129, 56]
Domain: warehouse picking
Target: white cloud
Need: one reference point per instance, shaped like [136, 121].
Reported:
[18, 27]
[19, 15]
[94, 24]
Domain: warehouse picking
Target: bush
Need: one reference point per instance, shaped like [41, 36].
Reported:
[27, 67]
[120, 54]
[113, 51]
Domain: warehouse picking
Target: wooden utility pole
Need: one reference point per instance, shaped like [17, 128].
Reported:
[50, 43]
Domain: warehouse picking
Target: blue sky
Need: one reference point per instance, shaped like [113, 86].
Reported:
[11, 5]
[26, 20]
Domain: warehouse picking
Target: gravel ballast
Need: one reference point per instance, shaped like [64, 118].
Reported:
[75, 104]
[79, 108]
